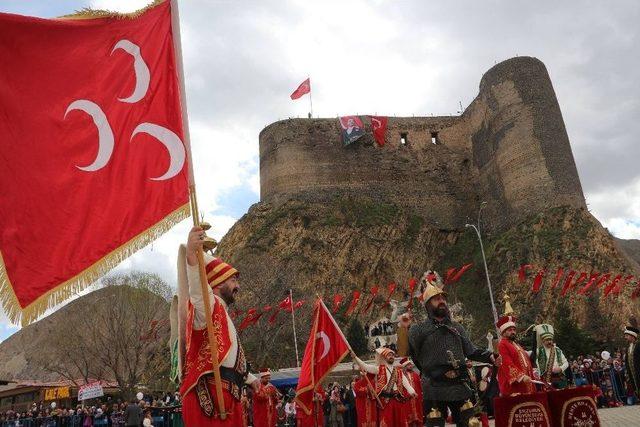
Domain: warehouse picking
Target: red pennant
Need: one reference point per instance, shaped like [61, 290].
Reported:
[460, 272]
[354, 302]
[559, 275]
[250, 319]
[325, 348]
[581, 278]
[567, 283]
[337, 300]
[272, 318]
[303, 89]
[412, 287]
[450, 272]
[522, 272]
[602, 280]
[612, 285]
[590, 283]
[537, 282]
[285, 304]
[374, 292]
[622, 285]
[391, 288]
[379, 128]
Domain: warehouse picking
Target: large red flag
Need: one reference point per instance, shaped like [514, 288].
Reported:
[92, 161]
[326, 347]
[303, 89]
[355, 298]
[379, 128]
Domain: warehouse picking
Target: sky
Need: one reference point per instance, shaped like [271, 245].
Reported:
[243, 59]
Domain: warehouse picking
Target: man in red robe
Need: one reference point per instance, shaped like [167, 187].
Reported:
[200, 404]
[516, 373]
[316, 417]
[392, 388]
[414, 405]
[366, 405]
[264, 402]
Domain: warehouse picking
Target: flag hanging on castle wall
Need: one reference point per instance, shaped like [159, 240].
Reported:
[92, 163]
[379, 128]
[352, 129]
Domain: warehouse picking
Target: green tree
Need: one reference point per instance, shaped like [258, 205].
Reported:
[356, 338]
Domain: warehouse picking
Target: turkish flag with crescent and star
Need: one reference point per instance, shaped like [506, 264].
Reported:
[92, 161]
[326, 347]
[303, 89]
[379, 128]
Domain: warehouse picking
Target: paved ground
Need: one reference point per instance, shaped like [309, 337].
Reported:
[625, 416]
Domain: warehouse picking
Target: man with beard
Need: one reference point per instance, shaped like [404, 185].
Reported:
[439, 347]
[550, 360]
[632, 358]
[392, 387]
[200, 404]
[414, 405]
[264, 402]
[516, 373]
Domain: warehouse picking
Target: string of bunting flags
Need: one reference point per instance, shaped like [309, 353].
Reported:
[580, 282]
[251, 316]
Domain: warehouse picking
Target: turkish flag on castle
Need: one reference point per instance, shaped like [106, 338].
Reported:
[303, 89]
[92, 163]
[326, 347]
[379, 128]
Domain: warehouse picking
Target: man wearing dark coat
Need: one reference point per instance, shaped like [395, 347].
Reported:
[439, 347]
[632, 359]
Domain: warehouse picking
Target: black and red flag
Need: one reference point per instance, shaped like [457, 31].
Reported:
[352, 129]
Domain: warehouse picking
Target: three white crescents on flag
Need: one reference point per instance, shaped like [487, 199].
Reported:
[106, 140]
[326, 344]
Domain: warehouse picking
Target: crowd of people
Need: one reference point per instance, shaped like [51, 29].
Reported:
[148, 412]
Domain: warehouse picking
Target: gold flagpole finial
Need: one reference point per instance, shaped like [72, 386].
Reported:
[508, 310]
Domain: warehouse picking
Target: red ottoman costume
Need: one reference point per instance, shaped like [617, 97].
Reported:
[515, 360]
[316, 417]
[414, 405]
[393, 389]
[264, 403]
[366, 407]
[199, 402]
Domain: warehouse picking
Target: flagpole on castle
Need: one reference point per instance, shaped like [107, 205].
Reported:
[213, 343]
[310, 100]
[293, 321]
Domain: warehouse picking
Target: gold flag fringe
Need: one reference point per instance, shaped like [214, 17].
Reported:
[88, 13]
[73, 286]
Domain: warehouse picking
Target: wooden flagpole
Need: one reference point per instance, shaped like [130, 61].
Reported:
[213, 342]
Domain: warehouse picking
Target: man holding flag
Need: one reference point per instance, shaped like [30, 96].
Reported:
[200, 407]
[392, 388]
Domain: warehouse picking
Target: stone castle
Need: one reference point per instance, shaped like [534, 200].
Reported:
[509, 148]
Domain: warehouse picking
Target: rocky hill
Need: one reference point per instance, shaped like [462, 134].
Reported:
[28, 354]
[355, 243]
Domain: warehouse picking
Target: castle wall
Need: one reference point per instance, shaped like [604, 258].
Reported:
[306, 158]
[519, 143]
[509, 148]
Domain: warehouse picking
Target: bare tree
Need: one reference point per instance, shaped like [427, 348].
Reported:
[117, 333]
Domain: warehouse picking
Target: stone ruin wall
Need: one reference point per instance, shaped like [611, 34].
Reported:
[509, 148]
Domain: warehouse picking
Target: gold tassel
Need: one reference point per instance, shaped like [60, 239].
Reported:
[88, 13]
[73, 286]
